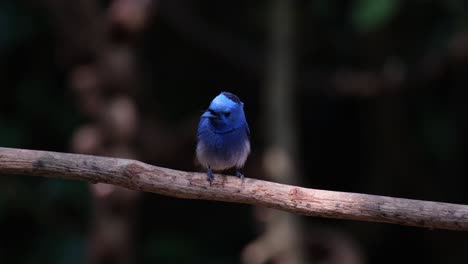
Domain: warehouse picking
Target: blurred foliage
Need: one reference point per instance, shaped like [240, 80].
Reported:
[368, 15]
[36, 215]
[16, 25]
[46, 219]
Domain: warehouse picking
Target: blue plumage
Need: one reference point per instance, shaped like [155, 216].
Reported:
[223, 135]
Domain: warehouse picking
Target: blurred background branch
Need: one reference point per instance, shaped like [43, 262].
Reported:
[282, 239]
[97, 48]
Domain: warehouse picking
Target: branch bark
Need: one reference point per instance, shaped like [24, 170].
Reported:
[136, 175]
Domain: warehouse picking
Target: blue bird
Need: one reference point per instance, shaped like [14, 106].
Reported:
[223, 135]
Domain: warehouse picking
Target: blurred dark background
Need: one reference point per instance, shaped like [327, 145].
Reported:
[361, 96]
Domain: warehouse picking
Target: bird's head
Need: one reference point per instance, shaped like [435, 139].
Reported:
[225, 113]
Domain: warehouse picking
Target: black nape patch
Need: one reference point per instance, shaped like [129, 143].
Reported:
[232, 97]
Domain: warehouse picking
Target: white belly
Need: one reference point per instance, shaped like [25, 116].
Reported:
[236, 160]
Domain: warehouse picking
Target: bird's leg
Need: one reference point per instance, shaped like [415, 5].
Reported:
[210, 174]
[239, 174]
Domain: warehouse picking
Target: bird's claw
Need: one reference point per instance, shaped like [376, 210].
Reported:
[240, 175]
[210, 175]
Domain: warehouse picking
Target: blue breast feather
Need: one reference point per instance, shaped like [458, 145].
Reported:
[223, 148]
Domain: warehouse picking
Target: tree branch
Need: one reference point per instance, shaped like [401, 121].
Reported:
[136, 175]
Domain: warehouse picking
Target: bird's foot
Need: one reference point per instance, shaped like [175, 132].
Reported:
[239, 174]
[210, 175]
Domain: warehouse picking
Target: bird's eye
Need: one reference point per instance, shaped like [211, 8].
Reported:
[227, 114]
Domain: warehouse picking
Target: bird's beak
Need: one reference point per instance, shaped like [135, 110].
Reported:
[209, 114]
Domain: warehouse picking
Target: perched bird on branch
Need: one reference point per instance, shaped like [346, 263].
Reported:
[223, 135]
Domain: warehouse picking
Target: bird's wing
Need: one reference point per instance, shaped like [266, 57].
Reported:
[201, 127]
[247, 129]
